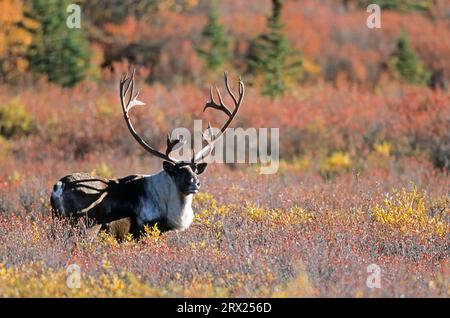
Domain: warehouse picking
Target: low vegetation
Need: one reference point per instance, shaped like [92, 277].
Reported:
[364, 144]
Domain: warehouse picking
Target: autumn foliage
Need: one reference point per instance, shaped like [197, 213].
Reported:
[363, 175]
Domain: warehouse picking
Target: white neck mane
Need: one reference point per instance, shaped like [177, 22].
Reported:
[162, 200]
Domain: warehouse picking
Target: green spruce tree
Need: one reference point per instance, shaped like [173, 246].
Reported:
[57, 51]
[217, 47]
[272, 56]
[407, 63]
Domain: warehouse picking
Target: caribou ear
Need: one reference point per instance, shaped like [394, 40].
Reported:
[201, 167]
[168, 167]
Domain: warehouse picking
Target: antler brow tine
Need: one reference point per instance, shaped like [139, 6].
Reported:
[128, 100]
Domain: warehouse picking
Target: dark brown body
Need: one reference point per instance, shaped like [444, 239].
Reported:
[124, 206]
[121, 228]
[83, 191]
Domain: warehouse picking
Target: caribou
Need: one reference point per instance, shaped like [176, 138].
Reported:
[126, 205]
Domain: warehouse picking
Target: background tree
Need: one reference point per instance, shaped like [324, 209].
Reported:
[407, 63]
[57, 51]
[15, 38]
[272, 56]
[217, 47]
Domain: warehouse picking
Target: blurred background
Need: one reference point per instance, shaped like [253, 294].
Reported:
[340, 92]
[278, 44]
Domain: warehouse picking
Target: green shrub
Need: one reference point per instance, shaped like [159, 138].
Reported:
[60, 53]
[407, 63]
[272, 56]
[217, 39]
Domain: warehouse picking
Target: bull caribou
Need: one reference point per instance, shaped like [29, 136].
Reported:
[126, 205]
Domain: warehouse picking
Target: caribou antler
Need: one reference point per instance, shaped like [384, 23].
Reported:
[128, 100]
[205, 151]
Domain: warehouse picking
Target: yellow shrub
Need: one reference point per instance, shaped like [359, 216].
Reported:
[295, 215]
[203, 199]
[256, 213]
[298, 164]
[380, 155]
[36, 280]
[14, 119]
[206, 207]
[336, 162]
[300, 286]
[299, 215]
[5, 148]
[311, 67]
[53, 128]
[103, 170]
[107, 239]
[406, 211]
[383, 148]
[15, 176]
[104, 108]
[152, 231]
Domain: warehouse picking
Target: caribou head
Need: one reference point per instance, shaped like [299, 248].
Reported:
[185, 174]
